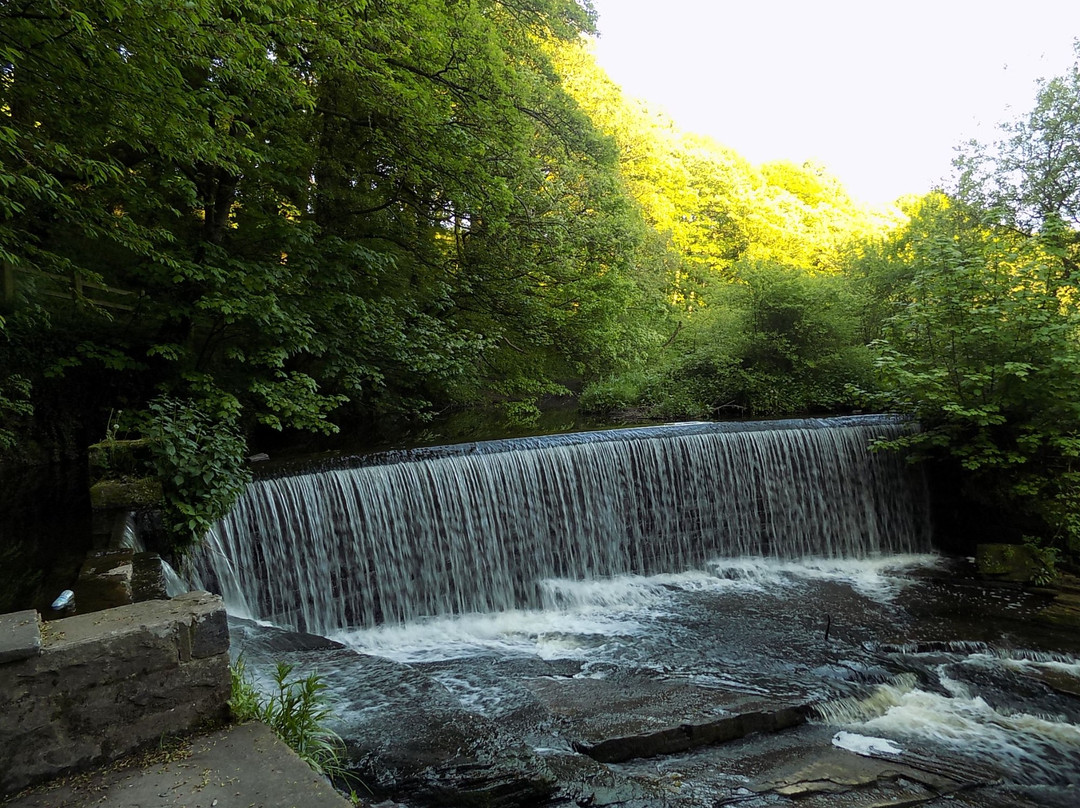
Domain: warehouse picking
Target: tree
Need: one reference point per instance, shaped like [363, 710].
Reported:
[984, 344]
[314, 203]
[983, 351]
[1033, 171]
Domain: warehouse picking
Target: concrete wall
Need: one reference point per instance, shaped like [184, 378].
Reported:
[87, 689]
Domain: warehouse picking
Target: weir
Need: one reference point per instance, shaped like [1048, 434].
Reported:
[481, 527]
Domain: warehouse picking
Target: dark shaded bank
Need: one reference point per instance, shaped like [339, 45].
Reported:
[44, 532]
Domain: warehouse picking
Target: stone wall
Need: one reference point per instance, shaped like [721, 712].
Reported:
[88, 689]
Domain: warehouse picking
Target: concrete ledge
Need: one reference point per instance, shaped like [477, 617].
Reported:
[20, 636]
[108, 682]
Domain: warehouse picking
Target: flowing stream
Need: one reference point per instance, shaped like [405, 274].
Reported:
[471, 594]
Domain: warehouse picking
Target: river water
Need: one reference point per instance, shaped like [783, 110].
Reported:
[917, 655]
[483, 616]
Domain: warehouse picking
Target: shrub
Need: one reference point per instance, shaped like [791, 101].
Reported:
[199, 460]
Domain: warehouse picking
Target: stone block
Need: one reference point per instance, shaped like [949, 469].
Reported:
[109, 682]
[148, 578]
[209, 634]
[125, 494]
[1008, 562]
[105, 580]
[20, 636]
[118, 458]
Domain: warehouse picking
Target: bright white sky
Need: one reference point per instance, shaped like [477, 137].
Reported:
[880, 91]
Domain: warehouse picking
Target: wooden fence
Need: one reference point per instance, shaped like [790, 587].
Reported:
[66, 287]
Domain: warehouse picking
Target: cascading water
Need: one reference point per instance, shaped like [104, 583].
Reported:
[482, 529]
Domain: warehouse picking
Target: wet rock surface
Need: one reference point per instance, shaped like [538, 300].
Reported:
[635, 716]
[712, 694]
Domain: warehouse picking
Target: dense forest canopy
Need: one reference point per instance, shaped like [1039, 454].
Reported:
[220, 218]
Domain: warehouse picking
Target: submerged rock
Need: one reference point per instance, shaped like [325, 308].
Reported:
[633, 716]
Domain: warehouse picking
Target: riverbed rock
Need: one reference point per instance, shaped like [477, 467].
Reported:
[408, 738]
[457, 758]
[837, 772]
[587, 782]
[819, 777]
[636, 715]
[1064, 612]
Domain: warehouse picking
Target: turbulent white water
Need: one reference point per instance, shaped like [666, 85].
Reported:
[488, 531]
[585, 620]
[1032, 749]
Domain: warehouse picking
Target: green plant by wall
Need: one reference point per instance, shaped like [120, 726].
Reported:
[296, 710]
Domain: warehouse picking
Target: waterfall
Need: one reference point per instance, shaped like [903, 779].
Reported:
[478, 528]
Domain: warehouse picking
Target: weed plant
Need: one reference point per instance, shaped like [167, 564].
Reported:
[296, 710]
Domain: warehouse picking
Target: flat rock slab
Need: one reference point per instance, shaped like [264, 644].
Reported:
[625, 717]
[837, 771]
[1064, 612]
[409, 738]
[20, 636]
[244, 765]
[823, 778]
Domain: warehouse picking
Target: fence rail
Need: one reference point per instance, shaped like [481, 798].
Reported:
[66, 287]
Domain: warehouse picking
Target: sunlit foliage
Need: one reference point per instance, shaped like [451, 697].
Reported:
[753, 258]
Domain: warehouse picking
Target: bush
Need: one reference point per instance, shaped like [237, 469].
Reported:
[199, 460]
[984, 352]
[778, 341]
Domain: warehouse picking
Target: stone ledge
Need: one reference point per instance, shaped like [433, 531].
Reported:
[199, 617]
[108, 682]
[20, 636]
[682, 738]
[125, 494]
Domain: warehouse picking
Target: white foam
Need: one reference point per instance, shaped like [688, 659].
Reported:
[864, 744]
[1024, 743]
[547, 635]
[580, 617]
[879, 577]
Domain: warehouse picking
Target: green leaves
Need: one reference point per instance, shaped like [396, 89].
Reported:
[296, 709]
[310, 203]
[984, 350]
[199, 459]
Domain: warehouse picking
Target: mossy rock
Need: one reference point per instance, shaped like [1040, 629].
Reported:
[126, 494]
[1009, 562]
[1064, 612]
[113, 459]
